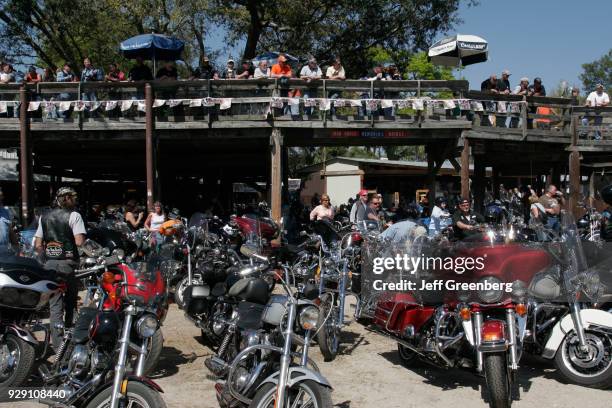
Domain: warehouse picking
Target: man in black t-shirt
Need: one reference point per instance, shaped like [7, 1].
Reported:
[140, 72]
[167, 72]
[245, 71]
[465, 221]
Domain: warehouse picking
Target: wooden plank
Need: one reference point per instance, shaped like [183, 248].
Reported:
[465, 169]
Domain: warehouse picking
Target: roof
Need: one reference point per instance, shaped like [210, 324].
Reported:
[406, 164]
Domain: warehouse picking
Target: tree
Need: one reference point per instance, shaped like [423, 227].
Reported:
[348, 28]
[598, 71]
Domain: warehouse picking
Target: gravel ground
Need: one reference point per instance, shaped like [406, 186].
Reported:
[367, 374]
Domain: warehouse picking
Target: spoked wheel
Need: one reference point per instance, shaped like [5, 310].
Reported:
[498, 380]
[306, 394]
[328, 335]
[16, 362]
[590, 368]
[179, 292]
[138, 396]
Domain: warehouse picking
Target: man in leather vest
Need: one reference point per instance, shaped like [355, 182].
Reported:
[60, 232]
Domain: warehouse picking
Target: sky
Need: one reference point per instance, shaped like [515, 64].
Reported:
[546, 38]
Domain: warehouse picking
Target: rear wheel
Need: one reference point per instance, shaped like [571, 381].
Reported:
[16, 362]
[305, 394]
[409, 358]
[590, 368]
[179, 292]
[498, 381]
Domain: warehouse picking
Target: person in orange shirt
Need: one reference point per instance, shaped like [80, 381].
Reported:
[281, 69]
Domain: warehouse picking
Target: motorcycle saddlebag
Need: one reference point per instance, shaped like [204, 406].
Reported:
[195, 299]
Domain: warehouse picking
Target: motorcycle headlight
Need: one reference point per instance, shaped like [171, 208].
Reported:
[146, 326]
[309, 317]
[119, 253]
[492, 295]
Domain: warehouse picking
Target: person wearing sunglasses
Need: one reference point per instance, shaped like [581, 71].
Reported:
[323, 211]
[465, 221]
[358, 210]
[373, 208]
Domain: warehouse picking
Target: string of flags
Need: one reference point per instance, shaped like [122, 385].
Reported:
[323, 104]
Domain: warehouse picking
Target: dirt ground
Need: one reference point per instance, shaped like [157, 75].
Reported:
[368, 374]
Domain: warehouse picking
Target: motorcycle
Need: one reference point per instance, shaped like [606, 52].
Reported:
[470, 328]
[25, 289]
[563, 327]
[255, 378]
[127, 317]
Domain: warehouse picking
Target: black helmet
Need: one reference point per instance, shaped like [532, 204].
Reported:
[606, 194]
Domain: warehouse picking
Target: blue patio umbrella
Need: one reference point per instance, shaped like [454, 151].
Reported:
[153, 47]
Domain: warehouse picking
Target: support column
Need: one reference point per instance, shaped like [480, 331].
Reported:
[149, 144]
[276, 177]
[574, 179]
[465, 169]
[431, 175]
[25, 158]
[495, 182]
[285, 170]
[479, 184]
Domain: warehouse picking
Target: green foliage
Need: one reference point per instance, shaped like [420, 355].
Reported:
[419, 68]
[598, 71]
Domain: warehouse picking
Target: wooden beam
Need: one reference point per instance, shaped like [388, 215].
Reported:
[574, 175]
[149, 144]
[465, 169]
[25, 159]
[479, 184]
[276, 177]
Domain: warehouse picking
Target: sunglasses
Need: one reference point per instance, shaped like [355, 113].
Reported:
[325, 199]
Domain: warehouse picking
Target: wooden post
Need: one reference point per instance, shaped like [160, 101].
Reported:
[465, 169]
[495, 182]
[431, 175]
[524, 118]
[276, 177]
[25, 158]
[479, 185]
[574, 176]
[149, 143]
[285, 171]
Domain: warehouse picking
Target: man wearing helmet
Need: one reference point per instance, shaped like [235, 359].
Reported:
[60, 232]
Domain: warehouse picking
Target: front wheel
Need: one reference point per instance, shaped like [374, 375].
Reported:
[305, 394]
[155, 348]
[327, 335]
[590, 368]
[498, 381]
[16, 362]
[179, 292]
[138, 396]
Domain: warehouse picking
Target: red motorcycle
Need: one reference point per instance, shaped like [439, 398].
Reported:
[464, 320]
[93, 361]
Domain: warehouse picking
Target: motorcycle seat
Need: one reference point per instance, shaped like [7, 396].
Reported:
[80, 333]
[25, 270]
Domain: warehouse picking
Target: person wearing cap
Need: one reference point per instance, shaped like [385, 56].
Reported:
[309, 72]
[465, 221]
[60, 232]
[537, 89]
[245, 71]
[281, 69]
[358, 210]
[503, 84]
[522, 88]
[597, 98]
[205, 70]
[230, 71]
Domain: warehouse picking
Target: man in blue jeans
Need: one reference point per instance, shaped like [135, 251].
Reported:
[550, 202]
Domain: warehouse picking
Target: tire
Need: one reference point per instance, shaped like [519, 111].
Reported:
[498, 382]
[321, 395]
[576, 368]
[327, 335]
[157, 344]
[179, 292]
[408, 357]
[24, 355]
[142, 395]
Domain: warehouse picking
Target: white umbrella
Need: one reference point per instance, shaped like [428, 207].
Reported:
[459, 50]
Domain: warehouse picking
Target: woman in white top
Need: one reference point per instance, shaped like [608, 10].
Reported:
[324, 211]
[440, 217]
[154, 221]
